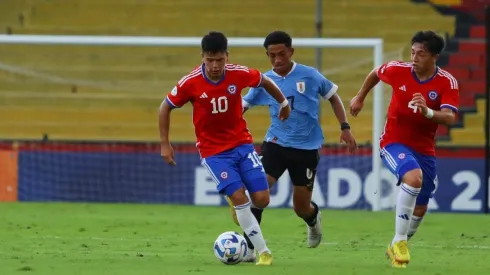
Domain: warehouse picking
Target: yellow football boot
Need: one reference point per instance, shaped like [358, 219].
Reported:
[398, 254]
[265, 259]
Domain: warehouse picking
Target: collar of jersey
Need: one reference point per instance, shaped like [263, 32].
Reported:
[428, 79]
[292, 69]
[203, 71]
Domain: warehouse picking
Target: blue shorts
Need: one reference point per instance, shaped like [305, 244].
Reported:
[400, 159]
[236, 168]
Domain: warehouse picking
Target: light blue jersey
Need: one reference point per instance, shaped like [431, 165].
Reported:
[303, 87]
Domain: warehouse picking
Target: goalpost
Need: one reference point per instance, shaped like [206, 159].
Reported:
[375, 43]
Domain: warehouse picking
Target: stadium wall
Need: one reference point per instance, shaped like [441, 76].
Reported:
[135, 173]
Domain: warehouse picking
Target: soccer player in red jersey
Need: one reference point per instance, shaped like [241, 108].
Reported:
[423, 97]
[223, 140]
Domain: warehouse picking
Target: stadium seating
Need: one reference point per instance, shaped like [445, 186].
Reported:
[466, 60]
[112, 93]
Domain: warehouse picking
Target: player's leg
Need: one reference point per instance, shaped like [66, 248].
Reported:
[417, 218]
[273, 165]
[254, 178]
[400, 160]
[429, 186]
[225, 170]
[302, 166]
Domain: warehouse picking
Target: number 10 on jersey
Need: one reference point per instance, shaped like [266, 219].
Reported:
[220, 104]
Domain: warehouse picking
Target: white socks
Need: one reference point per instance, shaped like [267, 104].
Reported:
[405, 205]
[251, 227]
[414, 225]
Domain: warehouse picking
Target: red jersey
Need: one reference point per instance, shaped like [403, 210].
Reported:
[404, 123]
[217, 107]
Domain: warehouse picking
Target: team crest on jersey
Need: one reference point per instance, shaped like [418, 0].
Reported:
[300, 86]
[232, 89]
[401, 156]
[433, 95]
[174, 91]
[224, 175]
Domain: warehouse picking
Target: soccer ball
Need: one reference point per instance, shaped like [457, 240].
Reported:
[230, 248]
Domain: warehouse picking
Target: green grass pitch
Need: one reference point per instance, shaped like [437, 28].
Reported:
[122, 239]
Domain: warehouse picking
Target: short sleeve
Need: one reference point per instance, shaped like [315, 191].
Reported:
[254, 78]
[327, 87]
[450, 96]
[178, 96]
[255, 97]
[387, 71]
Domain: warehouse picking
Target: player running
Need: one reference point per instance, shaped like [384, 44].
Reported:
[223, 140]
[294, 144]
[423, 97]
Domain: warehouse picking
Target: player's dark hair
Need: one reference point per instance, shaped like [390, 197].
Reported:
[278, 37]
[214, 42]
[433, 42]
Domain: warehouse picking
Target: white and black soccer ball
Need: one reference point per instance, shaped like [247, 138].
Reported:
[230, 248]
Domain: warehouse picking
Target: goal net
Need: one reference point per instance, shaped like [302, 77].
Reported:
[79, 121]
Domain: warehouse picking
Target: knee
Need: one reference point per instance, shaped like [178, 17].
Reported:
[261, 199]
[413, 178]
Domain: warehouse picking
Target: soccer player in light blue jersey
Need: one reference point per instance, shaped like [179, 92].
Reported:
[294, 144]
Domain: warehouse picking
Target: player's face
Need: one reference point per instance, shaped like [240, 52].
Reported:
[214, 63]
[422, 60]
[280, 57]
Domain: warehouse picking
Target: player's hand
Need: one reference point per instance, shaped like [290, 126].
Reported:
[419, 101]
[167, 153]
[284, 112]
[356, 105]
[346, 137]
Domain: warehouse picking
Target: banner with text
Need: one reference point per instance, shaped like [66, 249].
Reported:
[343, 182]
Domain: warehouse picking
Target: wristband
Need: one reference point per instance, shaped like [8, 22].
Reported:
[430, 113]
[284, 103]
[344, 126]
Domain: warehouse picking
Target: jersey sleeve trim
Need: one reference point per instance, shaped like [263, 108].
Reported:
[169, 102]
[449, 106]
[260, 81]
[332, 91]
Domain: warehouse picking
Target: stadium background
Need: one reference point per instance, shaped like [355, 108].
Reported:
[79, 123]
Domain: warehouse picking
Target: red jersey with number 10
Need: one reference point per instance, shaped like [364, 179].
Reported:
[217, 107]
[404, 123]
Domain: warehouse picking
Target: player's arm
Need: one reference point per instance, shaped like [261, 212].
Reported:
[339, 110]
[370, 81]
[449, 105]
[328, 90]
[255, 97]
[248, 99]
[271, 88]
[256, 79]
[383, 73]
[444, 116]
[175, 99]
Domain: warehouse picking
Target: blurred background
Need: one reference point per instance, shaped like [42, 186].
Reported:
[79, 122]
